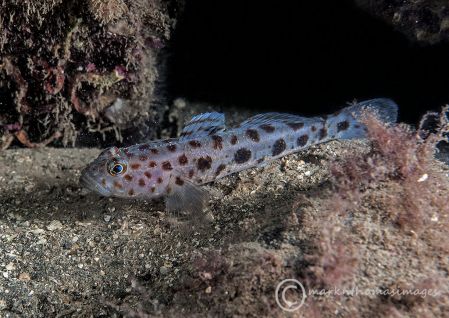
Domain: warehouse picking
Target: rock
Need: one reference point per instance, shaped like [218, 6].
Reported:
[112, 47]
[422, 21]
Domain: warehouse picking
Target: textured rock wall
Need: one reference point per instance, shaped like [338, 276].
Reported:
[424, 21]
[70, 69]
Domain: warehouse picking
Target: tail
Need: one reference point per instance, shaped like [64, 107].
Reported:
[346, 124]
[384, 109]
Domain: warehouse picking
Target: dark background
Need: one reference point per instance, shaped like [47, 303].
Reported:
[306, 57]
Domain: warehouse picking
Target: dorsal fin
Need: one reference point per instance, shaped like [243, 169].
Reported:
[203, 125]
[267, 118]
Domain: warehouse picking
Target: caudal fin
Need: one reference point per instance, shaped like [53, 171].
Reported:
[384, 109]
[347, 123]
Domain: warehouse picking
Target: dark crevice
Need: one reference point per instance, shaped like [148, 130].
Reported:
[307, 57]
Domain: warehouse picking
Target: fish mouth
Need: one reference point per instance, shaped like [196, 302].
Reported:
[88, 182]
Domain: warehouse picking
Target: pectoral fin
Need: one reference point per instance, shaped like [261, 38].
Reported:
[185, 196]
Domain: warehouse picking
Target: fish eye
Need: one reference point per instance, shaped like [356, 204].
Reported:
[116, 168]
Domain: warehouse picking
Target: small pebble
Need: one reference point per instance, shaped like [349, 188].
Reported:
[423, 178]
[164, 270]
[38, 231]
[54, 225]
[24, 277]
[42, 241]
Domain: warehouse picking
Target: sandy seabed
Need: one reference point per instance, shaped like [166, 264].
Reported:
[67, 252]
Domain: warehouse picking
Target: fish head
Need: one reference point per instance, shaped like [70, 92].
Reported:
[105, 174]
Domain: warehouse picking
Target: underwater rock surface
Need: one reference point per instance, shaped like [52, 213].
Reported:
[76, 71]
[423, 21]
[66, 251]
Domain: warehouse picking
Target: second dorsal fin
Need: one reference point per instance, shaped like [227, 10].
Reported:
[270, 118]
[203, 125]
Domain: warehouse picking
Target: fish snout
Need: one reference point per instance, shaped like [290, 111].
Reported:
[88, 181]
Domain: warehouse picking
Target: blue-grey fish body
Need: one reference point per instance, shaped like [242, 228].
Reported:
[206, 151]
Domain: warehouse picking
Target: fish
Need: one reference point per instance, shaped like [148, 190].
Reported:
[176, 168]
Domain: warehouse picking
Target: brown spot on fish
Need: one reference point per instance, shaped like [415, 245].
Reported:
[128, 177]
[253, 135]
[153, 188]
[183, 160]
[154, 151]
[141, 182]
[242, 155]
[171, 148]
[168, 189]
[159, 180]
[131, 192]
[323, 133]
[313, 128]
[179, 181]
[147, 174]
[295, 126]
[191, 173]
[343, 125]
[135, 166]
[204, 163]
[302, 140]
[127, 153]
[143, 158]
[103, 182]
[144, 147]
[279, 147]
[152, 164]
[233, 139]
[267, 128]
[218, 142]
[194, 143]
[220, 168]
[166, 165]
